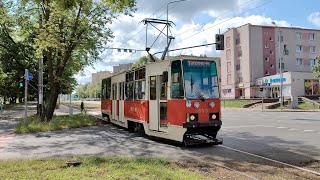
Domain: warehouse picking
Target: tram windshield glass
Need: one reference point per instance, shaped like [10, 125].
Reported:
[200, 79]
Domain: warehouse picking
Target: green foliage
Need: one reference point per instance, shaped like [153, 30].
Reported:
[316, 68]
[68, 35]
[89, 90]
[143, 60]
[58, 122]
[96, 168]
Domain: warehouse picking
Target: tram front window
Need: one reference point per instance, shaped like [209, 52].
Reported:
[200, 79]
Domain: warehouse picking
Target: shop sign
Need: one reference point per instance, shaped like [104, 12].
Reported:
[275, 80]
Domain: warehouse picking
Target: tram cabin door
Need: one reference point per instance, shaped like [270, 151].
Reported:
[115, 102]
[158, 103]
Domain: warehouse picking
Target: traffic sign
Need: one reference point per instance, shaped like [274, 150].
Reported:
[30, 76]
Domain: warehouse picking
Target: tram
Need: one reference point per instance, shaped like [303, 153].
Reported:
[175, 99]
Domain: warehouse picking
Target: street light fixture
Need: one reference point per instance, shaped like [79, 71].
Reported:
[168, 18]
[280, 65]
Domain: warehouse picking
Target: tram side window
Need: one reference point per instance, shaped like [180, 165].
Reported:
[164, 86]
[129, 85]
[106, 88]
[153, 88]
[140, 84]
[176, 80]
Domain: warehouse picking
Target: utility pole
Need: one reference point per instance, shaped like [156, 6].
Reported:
[280, 65]
[40, 86]
[26, 73]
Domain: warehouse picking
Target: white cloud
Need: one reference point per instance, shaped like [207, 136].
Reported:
[314, 18]
[191, 18]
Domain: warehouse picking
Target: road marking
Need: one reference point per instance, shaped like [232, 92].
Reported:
[233, 127]
[309, 130]
[282, 127]
[293, 129]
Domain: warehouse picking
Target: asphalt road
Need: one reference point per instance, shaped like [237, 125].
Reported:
[286, 136]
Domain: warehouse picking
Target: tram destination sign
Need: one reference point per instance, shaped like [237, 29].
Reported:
[198, 63]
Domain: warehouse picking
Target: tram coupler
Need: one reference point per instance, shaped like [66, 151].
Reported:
[198, 139]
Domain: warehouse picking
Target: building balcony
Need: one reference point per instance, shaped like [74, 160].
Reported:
[304, 68]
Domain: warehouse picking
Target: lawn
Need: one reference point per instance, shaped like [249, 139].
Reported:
[235, 103]
[95, 168]
[58, 122]
[302, 105]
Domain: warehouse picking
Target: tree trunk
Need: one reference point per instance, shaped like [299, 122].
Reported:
[52, 101]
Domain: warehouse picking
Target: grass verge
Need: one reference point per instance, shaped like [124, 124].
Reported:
[95, 168]
[235, 103]
[58, 122]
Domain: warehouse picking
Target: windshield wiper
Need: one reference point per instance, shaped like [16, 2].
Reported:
[200, 96]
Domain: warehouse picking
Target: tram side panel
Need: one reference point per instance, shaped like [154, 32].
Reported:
[137, 110]
[106, 106]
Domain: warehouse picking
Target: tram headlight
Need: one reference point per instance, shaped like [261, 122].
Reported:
[192, 118]
[211, 104]
[196, 105]
[214, 116]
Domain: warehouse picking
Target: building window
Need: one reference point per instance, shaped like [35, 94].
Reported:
[271, 52]
[266, 46]
[229, 67]
[271, 39]
[298, 48]
[282, 65]
[229, 79]
[272, 66]
[237, 41]
[311, 36]
[312, 49]
[266, 59]
[299, 61]
[267, 73]
[312, 62]
[298, 36]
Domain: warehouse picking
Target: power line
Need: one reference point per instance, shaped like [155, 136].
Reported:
[216, 17]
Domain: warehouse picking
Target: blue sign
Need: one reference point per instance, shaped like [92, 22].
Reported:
[274, 80]
[30, 76]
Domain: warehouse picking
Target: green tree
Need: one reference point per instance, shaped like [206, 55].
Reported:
[316, 68]
[68, 35]
[143, 60]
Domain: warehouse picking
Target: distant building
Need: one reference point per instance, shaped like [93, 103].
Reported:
[121, 68]
[97, 77]
[251, 57]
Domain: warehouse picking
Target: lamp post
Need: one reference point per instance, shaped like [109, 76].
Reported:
[280, 66]
[168, 19]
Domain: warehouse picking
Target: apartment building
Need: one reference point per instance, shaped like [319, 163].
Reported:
[252, 54]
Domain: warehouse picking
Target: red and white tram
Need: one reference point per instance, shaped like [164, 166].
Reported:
[176, 99]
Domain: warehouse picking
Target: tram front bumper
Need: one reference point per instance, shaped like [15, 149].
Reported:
[202, 124]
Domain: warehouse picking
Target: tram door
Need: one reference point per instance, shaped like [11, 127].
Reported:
[115, 102]
[157, 103]
[121, 102]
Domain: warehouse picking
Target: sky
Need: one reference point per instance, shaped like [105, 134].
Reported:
[196, 22]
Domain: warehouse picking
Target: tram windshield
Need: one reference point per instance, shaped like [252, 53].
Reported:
[200, 79]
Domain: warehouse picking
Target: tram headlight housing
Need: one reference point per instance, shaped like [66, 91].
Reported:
[192, 117]
[196, 105]
[214, 116]
[211, 104]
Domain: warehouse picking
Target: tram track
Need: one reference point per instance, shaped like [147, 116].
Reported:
[284, 164]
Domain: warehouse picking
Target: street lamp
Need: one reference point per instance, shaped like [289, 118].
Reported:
[168, 19]
[280, 65]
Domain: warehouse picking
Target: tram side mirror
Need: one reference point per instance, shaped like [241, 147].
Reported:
[165, 76]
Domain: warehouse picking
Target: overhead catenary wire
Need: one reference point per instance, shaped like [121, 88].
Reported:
[256, 7]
